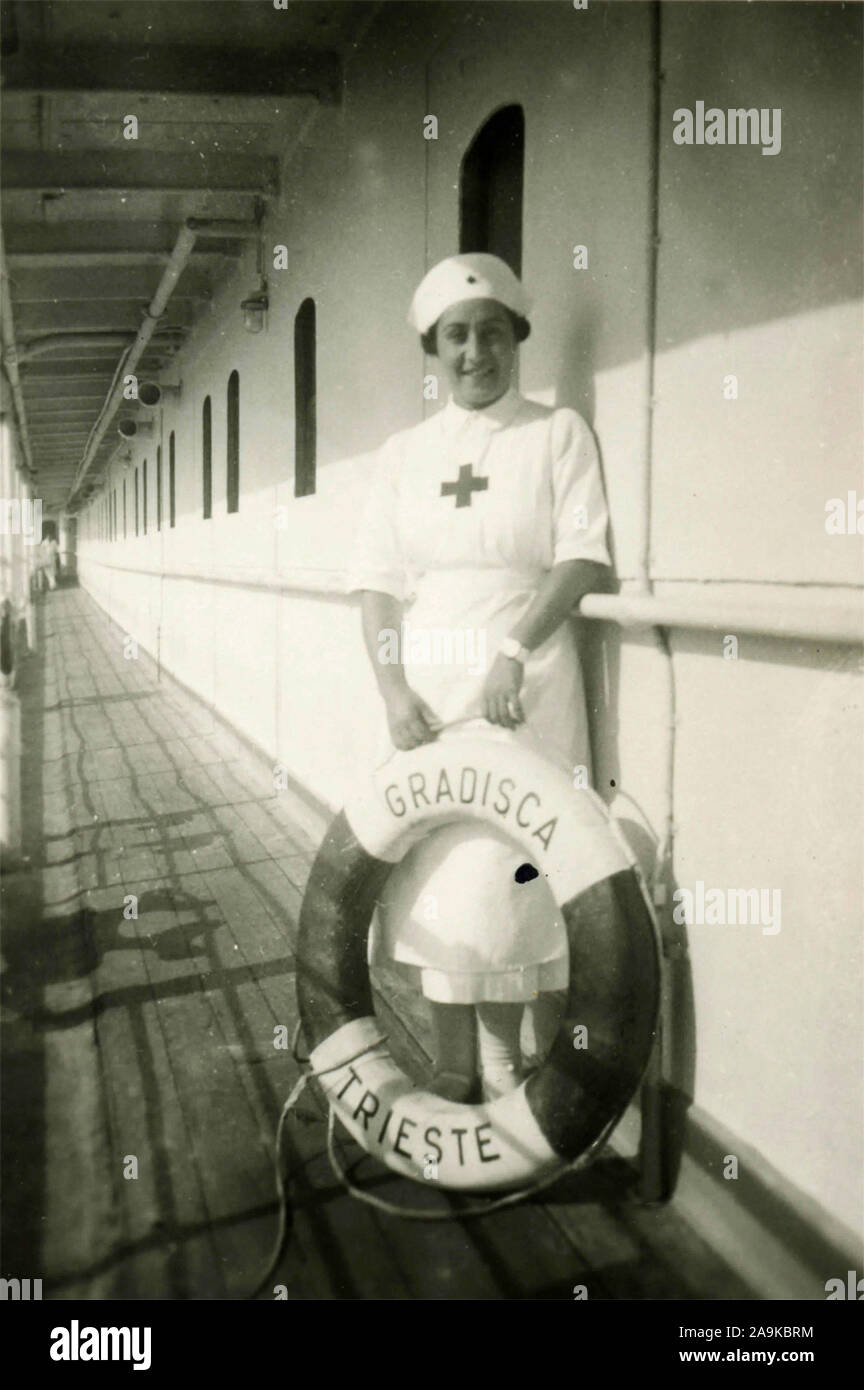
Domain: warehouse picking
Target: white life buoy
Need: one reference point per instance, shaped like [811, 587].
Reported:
[613, 996]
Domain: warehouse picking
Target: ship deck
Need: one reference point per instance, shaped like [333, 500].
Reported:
[142, 1085]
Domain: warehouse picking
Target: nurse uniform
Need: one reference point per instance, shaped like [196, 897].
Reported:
[467, 513]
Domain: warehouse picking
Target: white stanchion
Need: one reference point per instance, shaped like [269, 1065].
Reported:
[10, 774]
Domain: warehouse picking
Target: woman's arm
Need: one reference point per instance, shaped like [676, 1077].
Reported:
[410, 719]
[558, 594]
[382, 614]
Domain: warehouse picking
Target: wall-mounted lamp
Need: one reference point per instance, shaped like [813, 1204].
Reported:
[254, 308]
[130, 429]
[152, 393]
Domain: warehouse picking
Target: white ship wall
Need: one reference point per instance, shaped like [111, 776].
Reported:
[766, 755]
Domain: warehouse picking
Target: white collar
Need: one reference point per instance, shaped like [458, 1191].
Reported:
[493, 417]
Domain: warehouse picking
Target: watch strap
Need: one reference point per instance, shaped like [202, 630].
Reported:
[514, 650]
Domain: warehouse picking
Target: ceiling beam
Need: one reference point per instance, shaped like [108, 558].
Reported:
[65, 384]
[32, 208]
[49, 419]
[60, 430]
[71, 345]
[69, 422]
[91, 316]
[178, 68]
[59, 401]
[60, 415]
[42, 404]
[138, 171]
[83, 260]
[109, 282]
[67, 375]
[98, 237]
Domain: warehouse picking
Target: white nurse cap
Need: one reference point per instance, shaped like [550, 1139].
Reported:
[475, 276]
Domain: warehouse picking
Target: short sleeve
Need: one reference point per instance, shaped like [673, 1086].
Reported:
[376, 560]
[580, 515]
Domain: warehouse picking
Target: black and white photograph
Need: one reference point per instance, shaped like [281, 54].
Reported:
[432, 752]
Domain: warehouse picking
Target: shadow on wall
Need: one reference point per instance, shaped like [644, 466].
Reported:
[748, 238]
[745, 239]
[576, 388]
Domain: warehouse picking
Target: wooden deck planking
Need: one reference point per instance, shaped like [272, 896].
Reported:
[347, 1233]
[147, 1117]
[160, 1033]
[224, 1143]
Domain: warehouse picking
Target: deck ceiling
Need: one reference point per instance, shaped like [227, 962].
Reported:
[222, 91]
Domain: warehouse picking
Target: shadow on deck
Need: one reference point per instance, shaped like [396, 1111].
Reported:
[147, 971]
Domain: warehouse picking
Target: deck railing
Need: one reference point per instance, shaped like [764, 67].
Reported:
[781, 616]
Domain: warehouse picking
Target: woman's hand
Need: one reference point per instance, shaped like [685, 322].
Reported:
[500, 695]
[411, 721]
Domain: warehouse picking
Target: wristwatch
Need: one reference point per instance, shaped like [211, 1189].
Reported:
[510, 647]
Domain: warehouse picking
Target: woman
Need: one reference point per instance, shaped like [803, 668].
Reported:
[485, 526]
[48, 555]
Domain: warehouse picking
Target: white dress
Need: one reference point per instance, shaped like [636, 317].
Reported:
[467, 513]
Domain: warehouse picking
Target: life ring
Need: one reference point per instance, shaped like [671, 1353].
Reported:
[590, 1076]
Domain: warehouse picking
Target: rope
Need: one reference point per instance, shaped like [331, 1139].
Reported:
[407, 1213]
[293, 1097]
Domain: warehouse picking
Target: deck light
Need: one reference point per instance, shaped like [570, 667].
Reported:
[152, 393]
[254, 308]
[129, 429]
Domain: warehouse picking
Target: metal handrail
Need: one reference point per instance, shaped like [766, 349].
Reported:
[842, 623]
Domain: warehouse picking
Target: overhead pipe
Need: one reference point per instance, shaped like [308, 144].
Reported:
[10, 355]
[177, 261]
[61, 342]
[222, 227]
[126, 366]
